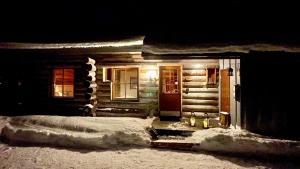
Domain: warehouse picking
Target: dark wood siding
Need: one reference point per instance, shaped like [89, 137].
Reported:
[270, 93]
[26, 83]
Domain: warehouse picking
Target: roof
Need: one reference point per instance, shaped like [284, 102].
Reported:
[126, 45]
[202, 49]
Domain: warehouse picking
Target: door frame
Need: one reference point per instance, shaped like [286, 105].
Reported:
[180, 86]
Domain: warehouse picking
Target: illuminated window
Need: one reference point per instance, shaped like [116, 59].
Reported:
[170, 81]
[125, 83]
[63, 82]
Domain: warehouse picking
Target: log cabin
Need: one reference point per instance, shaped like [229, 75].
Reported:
[135, 78]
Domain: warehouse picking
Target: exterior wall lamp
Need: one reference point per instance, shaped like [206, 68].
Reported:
[230, 70]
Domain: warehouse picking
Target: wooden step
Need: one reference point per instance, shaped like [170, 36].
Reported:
[173, 144]
[204, 96]
[199, 102]
[200, 108]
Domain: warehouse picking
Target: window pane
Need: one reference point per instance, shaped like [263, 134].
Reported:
[125, 83]
[58, 90]
[68, 90]
[63, 82]
[119, 91]
[170, 81]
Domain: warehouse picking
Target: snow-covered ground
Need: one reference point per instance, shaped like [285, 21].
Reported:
[119, 157]
[45, 157]
[79, 132]
[243, 142]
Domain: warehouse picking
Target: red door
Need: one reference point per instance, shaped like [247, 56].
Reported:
[170, 91]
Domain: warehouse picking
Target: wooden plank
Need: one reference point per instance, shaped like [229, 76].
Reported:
[225, 91]
[200, 90]
[193, 73]
[200, 108]
[199, 102]
[194, 83]
[194, 78]
[205, 96]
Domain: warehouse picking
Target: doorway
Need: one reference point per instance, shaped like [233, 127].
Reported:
[170, 91]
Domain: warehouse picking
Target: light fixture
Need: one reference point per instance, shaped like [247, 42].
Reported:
[230, 70]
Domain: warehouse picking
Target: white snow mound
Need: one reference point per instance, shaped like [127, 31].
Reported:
[244, 142]
[80, 132]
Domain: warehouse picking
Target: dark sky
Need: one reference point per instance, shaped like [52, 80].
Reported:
[211, 20]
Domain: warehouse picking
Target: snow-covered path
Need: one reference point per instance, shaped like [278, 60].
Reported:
[38, 157]
[125, 158]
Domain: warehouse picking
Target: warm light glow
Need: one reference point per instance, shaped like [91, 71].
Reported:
[63, 82]
[151, 74]
[197, 65]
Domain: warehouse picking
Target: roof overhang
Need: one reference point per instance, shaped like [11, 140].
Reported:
[124, 46]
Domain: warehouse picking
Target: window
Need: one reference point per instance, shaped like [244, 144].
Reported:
[125, 83]
[107, 74]
[63, 82]
[170, 81]
[212, 76]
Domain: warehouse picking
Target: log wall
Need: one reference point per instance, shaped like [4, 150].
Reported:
[198, 96]
[26, 83]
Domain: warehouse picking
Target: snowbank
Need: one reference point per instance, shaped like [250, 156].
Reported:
[3, 121]
[240, 141]
[80, 132]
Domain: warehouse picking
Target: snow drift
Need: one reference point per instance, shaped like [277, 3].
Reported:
[80, 132]
[242, 142]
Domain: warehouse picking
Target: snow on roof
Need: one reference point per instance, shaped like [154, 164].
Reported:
[137, 41]
[164, 49]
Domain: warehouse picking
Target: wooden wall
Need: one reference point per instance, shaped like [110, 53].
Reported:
[26, 83]
[199, 96]
[270, 93]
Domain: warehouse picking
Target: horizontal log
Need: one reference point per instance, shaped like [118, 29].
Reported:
[104, 88]
[193, 86]
[90, 96]
[204, 96]
[91, 90]
[200, 108]
[200, 90]
[194, 83]
[90, 84]
[89, 60]
[201, 67]
[89, 73]
[190, 73]
[199, 102]
[91, 78]
[194, 79]
[89, 67]
[101, 94]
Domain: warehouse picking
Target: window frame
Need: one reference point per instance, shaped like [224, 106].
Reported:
[53, 80]
[113, 83]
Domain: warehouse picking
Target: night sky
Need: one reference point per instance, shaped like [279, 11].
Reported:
[167, 21]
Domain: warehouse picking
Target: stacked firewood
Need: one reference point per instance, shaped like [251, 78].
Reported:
[89, 69]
